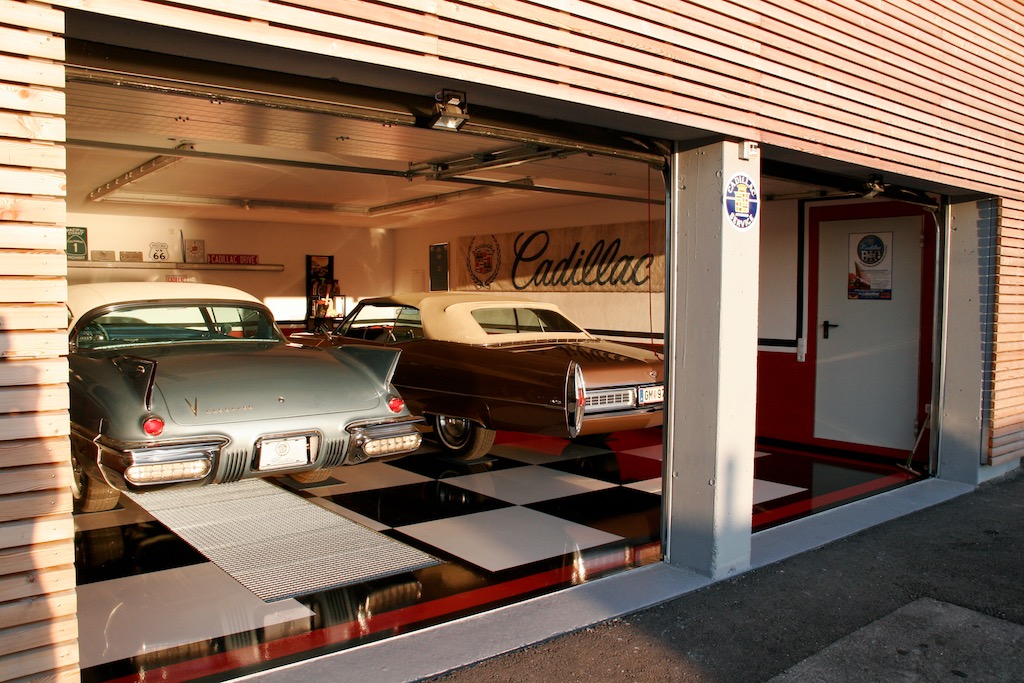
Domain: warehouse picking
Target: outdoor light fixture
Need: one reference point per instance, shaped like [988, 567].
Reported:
[449, 110]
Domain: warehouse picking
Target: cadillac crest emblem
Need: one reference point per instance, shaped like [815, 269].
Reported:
[483, 259]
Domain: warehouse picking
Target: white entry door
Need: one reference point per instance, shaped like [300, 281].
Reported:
[868, 331]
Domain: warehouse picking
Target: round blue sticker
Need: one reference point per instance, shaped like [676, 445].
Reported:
[741, 201]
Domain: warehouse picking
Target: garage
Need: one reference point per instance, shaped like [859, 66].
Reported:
[269, 171]
[164, 155]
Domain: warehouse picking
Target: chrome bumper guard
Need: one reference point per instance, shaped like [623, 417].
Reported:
[135, 467]
[381, 439]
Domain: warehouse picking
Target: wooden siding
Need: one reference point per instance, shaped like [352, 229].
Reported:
[1006, 439]
[38, 623]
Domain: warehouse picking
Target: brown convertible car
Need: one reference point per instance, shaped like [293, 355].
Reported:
[474, 363]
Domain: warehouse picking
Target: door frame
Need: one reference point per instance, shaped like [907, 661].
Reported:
[927, 315]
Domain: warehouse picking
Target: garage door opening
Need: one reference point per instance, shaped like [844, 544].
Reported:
[156, 164]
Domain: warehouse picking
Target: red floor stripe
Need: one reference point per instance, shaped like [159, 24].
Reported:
[394, 620]
[802, 507]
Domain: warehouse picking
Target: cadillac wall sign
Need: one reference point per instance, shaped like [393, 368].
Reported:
[741, 201]
[620, 258]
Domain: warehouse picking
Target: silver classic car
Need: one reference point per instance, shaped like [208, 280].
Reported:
[189, 384]
[473, 363]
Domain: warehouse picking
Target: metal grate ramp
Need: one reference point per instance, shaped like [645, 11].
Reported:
[275, 543]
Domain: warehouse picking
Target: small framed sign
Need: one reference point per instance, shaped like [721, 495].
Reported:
[439, 267]
[195, 251]
[77, 248]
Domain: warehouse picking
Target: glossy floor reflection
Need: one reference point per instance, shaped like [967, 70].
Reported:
[536, 516]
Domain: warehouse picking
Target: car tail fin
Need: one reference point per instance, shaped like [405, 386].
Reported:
[142, 373]
[381, 362]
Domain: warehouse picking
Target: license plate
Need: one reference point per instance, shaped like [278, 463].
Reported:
[652, 394]
[287, 452]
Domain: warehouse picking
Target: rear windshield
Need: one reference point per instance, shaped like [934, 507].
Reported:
[385, 323]
[175, 323]
[511, 320]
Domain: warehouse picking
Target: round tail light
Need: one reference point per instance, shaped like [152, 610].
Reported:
[153, 426]
[395, 404]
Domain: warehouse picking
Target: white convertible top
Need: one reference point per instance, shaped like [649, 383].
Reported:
[447, 316]
[84, 298]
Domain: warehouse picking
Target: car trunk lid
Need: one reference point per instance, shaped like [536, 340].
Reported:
[603, 363]
[256, 383]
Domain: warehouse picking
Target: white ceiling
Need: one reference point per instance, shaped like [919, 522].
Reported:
[263, 163]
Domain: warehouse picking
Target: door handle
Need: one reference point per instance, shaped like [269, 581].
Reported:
[827, 325]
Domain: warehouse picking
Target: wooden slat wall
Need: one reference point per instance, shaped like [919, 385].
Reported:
[38, 623]
[1006, 442]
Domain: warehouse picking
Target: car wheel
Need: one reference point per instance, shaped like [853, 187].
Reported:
[91, 495]
[312, 476]
[462, 438]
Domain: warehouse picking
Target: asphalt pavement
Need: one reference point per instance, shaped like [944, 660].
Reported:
[933, 596]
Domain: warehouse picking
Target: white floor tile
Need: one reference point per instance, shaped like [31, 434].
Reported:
[500, 539]
[529, 484]
[652, 452]
[770, 490]
[648, 485]
[128, 513]
[367, 476]
[544, 451]
[349, 514]
[129, 616]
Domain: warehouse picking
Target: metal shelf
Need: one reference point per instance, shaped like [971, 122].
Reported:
[157, 265]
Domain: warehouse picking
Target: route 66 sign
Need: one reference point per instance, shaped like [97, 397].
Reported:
[158, 251]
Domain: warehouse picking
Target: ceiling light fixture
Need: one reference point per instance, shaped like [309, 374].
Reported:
[450, 110]
[873, 187]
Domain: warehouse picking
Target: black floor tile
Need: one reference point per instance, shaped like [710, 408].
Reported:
[414, 503]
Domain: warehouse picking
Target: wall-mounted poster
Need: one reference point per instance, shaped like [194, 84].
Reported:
[439, 267]
[870, 275]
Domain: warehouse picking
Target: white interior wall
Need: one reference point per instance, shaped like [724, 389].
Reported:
[777, 291]
[373, 262]
[362, 257]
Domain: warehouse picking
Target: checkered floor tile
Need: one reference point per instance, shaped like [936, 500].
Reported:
[526, 519]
